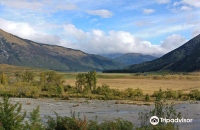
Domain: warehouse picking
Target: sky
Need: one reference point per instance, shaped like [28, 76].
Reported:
[104, 26]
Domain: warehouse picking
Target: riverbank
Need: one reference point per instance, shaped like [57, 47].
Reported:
[107, 110]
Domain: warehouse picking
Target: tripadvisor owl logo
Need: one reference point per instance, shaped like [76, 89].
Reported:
[154, 120]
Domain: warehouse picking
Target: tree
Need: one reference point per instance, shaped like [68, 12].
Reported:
[27, 76]
[86, 80]
[10, 117]
[95, 80]
[4, 79]
[80, 81]
[42, 78]
[91, 80]
[51, 81]
[18, 76]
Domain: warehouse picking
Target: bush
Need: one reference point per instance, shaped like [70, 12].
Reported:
[161, 111]
[10, 117]
[147, 98]
[138, 92]
[129, 92]
[118, 124]
[158, 94]
[66, 123]
[171, 94]
[71, 123]
[34, 122]
[195, 94]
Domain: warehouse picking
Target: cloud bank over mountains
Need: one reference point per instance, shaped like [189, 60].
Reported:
[95, 41]
[105, 26]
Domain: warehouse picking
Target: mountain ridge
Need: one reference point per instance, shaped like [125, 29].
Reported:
[179, 59]
[134, 58]
[22, 52]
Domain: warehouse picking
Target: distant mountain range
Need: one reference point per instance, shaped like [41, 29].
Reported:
[112, 55]
[134, 58]
[186, 58]
[129, 58]
[22, 52]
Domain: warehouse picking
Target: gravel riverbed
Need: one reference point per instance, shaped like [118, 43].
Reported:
[107, 110]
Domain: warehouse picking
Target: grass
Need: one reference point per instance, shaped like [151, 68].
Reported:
[147, 85]
[152, 81]
[10, 70]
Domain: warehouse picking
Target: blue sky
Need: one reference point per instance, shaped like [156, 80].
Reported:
[104, 26]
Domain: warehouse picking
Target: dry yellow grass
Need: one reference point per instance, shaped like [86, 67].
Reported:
[147, 85]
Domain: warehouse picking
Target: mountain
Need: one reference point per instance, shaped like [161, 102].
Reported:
[134, 58]
[22, 52]
[112, 55]
[190, 63]
[184, 58]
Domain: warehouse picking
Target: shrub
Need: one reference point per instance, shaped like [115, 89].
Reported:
[67, 88]
[118, 124]
[138, 92]
[66, 123]
[158, 94]
[161, 111]
[147, 98]
[103, 90]
[1, 128]
[34, 122]
[129, 92]
[195, 94]
[170, 93]
[71, 123]
[10, 117]
[179, 93]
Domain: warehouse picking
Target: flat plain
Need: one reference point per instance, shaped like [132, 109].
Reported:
[148, 84]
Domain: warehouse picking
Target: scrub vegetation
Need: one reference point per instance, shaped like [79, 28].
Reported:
[52, 84]
[12, 118]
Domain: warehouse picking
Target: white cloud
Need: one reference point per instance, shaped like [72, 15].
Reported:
[93, 20]
[46, 6]
[185, 8]
[143, 23]
[163, 1]
[24, 30]
[23, 4]
[158, 30]
[99, 42]
[172, 42]
[176, 3]
[196, 31]
[148, 11]
[72, 32]
[103, 13]
[95, 41]
[67, 7]
[194, 3]
[19, 4]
